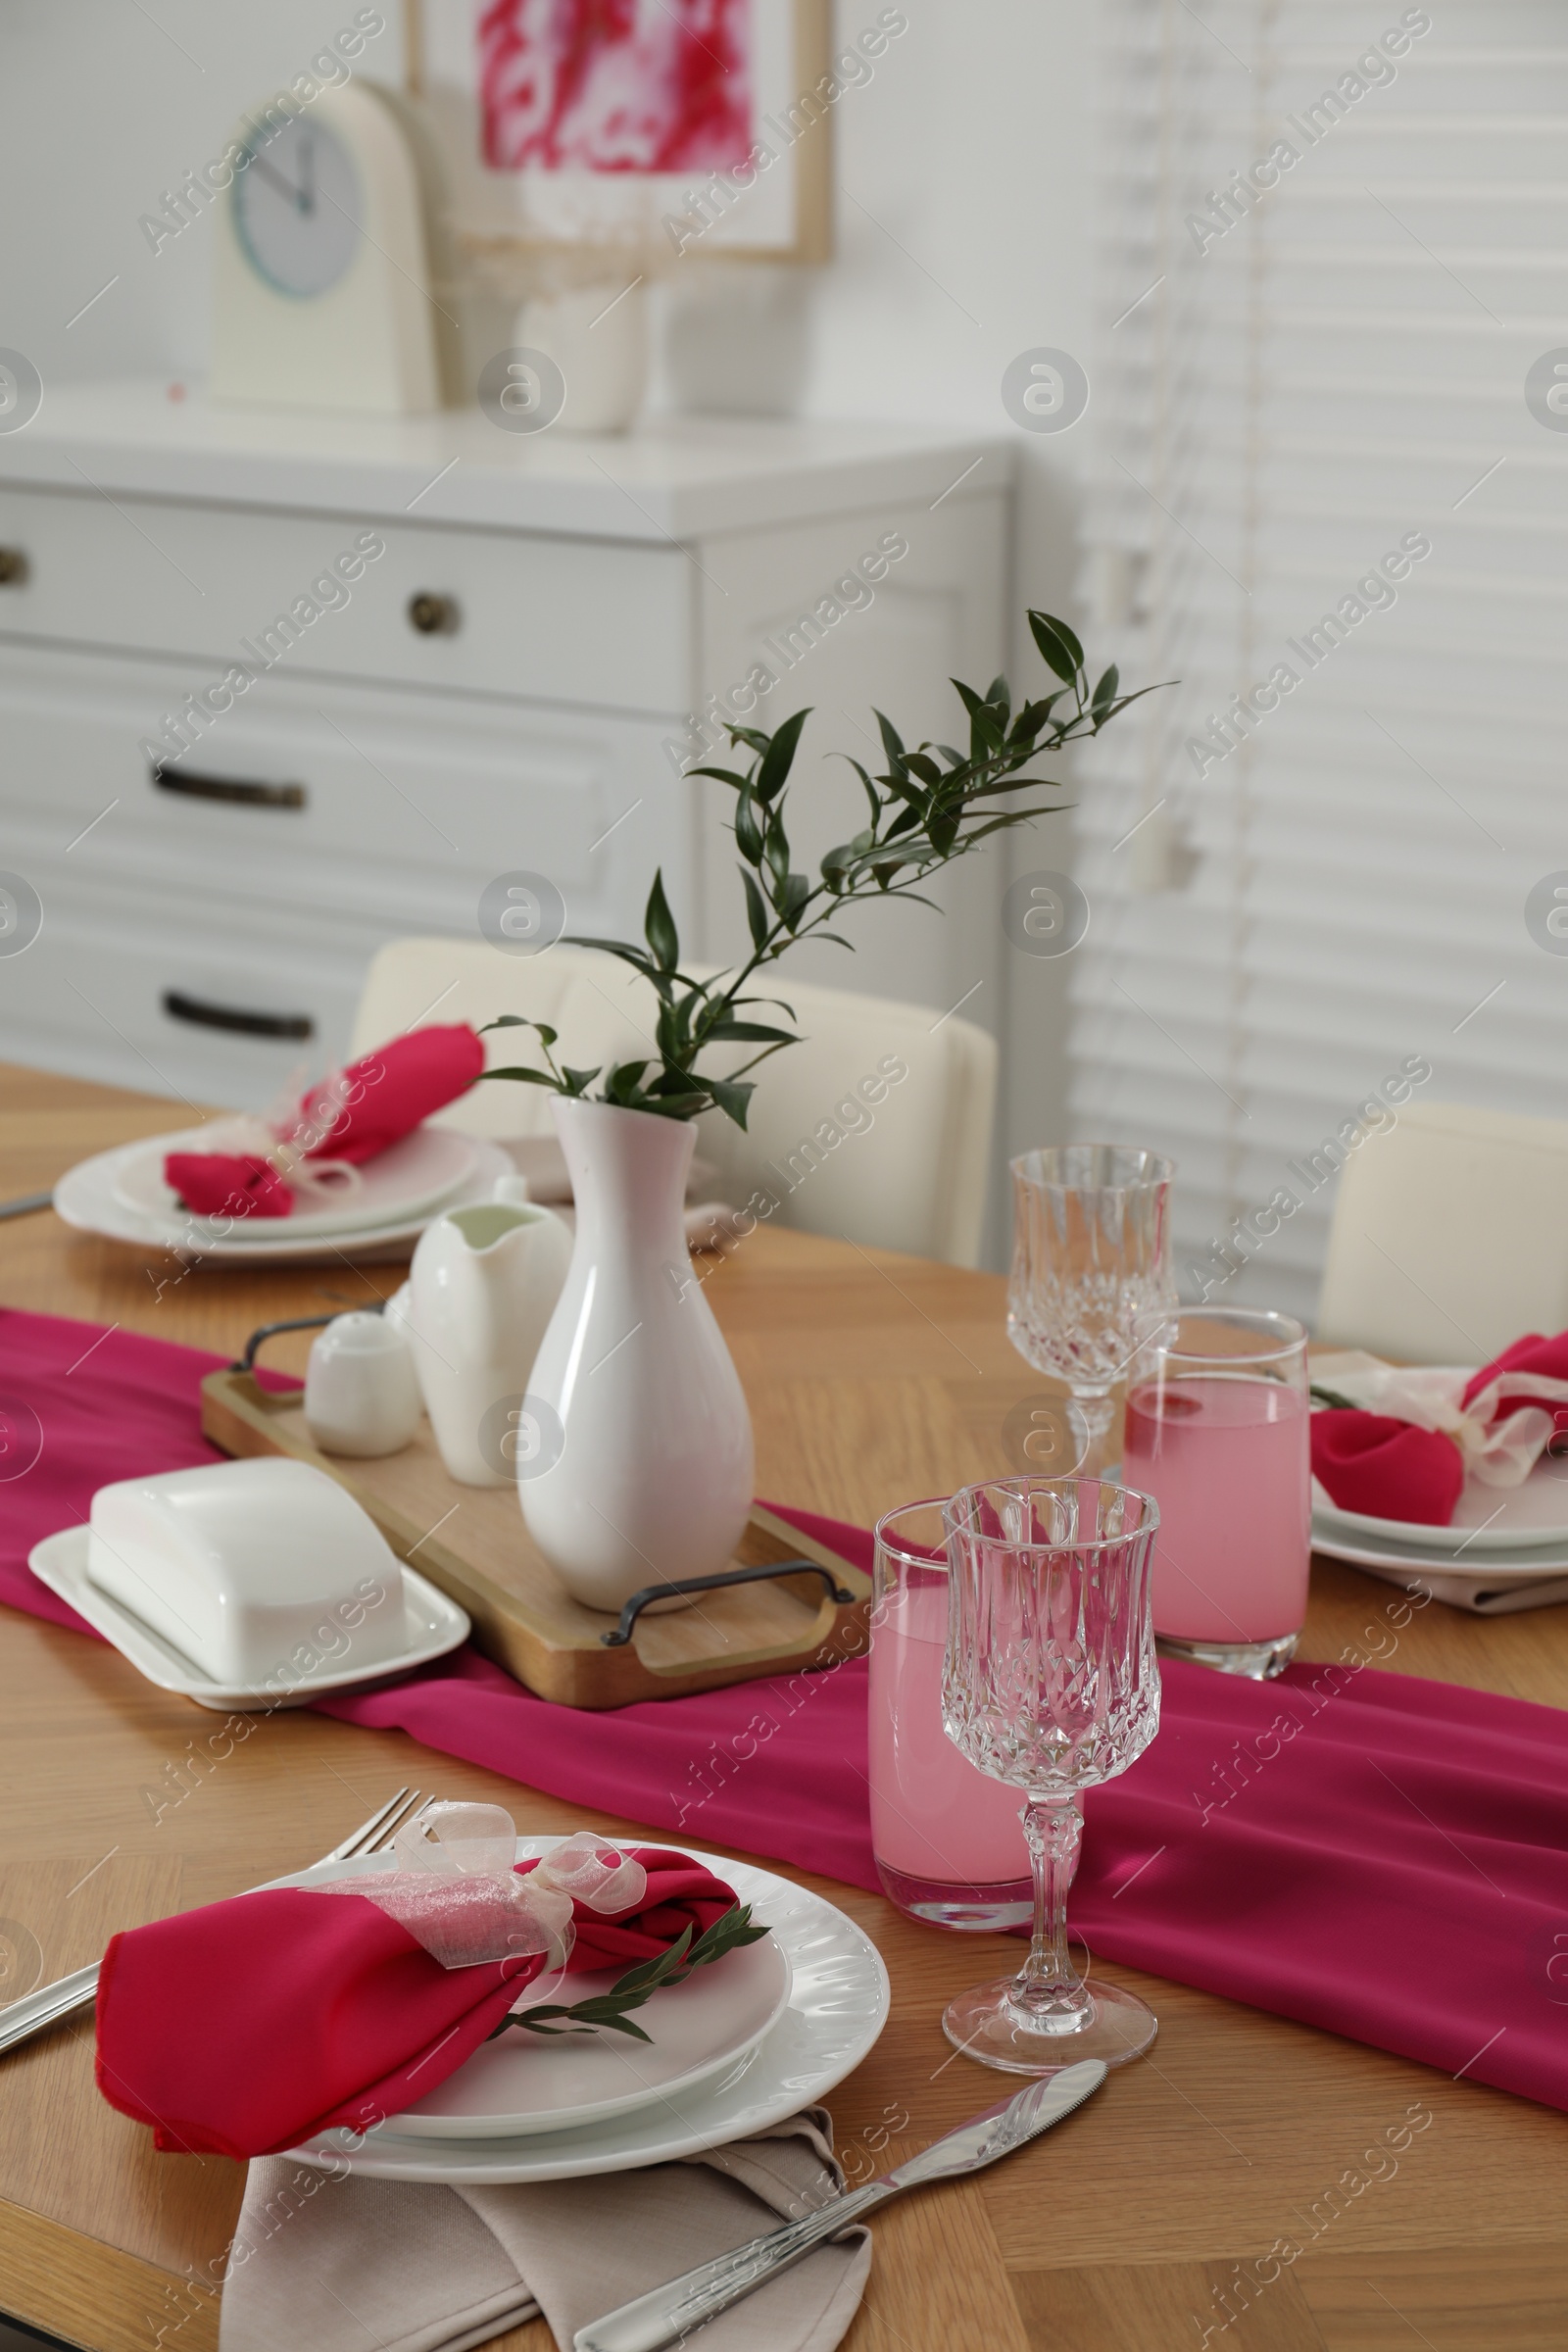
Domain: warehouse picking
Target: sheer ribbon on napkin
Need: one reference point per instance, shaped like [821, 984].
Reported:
[456, 1889]
[1501, 1429]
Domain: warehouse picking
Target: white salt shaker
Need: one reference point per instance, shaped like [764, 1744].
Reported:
[361, 1395]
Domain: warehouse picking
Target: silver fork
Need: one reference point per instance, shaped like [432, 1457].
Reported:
[36, 2011]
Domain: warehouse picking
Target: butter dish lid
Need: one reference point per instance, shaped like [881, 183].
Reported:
[238, 1563]
[272, 1530]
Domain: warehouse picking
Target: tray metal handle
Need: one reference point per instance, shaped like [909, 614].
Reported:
[639, 1602]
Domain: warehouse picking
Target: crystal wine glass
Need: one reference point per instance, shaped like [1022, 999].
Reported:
[1090, 1252]
[1050, 1685]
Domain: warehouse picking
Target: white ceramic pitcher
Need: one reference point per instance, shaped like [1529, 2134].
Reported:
[483, 1288]
[638, 1469]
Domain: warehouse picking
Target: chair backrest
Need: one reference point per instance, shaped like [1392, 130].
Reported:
[876, 1127]
[1450, 1236]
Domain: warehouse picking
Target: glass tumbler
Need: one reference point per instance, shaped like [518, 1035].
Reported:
[1050, 1686]
[1217, 1407]
[949, 1843]
[1090, 1252]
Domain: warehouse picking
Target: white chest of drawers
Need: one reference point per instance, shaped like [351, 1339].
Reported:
[406, 657]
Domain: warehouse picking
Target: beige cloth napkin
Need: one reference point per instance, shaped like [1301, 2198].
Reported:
[326, 2263]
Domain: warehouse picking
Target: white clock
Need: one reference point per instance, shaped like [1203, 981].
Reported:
[297, 209]
[321, 293]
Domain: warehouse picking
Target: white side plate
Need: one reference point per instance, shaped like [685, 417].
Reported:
[837, 2006]
[434, 1625]
[525, 2082]
[411, 1179]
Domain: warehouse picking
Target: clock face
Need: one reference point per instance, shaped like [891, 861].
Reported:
[297, 209]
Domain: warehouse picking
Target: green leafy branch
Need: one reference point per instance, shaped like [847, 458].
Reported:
[928, 808]
[729, 1933]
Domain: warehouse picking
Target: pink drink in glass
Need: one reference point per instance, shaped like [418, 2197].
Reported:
[949, 1840]
[1226, 1459]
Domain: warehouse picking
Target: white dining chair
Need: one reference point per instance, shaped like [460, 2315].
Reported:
[1450, 1236]
[877, 1127]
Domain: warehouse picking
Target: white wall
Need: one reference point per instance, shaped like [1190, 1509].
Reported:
[962, 238]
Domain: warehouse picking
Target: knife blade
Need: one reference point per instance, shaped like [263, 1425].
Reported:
[673, 2309]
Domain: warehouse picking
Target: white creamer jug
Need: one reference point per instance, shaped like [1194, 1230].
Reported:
[483, 1288]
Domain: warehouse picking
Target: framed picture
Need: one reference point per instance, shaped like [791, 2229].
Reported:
[700, 126]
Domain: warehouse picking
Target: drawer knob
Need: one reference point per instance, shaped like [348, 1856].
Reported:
[433, 616]
[13, 567]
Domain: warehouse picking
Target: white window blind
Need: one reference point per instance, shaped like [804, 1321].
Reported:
[1330, 261]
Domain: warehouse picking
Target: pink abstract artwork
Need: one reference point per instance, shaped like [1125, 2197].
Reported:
[616, 85]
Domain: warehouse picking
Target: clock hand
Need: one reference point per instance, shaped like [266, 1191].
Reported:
[287, 187]
[307, 173]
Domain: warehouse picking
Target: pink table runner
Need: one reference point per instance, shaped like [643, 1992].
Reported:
[1379, 1855]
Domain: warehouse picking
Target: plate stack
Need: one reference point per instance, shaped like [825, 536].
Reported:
[732, 2050]
[1506, 1550]
[123, 1195]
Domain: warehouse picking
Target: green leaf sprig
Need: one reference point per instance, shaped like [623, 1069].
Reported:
[609, 2010]
[928, 808]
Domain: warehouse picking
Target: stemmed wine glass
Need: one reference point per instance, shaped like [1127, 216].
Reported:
[1090, 1252]
[1050, 1685]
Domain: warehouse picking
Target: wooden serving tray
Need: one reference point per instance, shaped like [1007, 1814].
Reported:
[473, 1542]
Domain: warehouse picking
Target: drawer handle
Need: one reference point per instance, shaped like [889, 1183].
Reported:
[434, 615]
[13, 567]
[202, 1015]
[196, 787]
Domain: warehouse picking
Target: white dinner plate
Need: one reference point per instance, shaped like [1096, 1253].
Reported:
[412, 1178]
[836, 2007]
[433, 1625]
[85, 1198]
[1372, 1551]
[1498, 1584]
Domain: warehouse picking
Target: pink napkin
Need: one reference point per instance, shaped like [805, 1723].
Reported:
[1375, 1854]
[1387, 1468]
[351, 1116]
[245, 2027]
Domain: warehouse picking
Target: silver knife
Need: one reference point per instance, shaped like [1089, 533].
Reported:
[671, 2312]
[26, 1205]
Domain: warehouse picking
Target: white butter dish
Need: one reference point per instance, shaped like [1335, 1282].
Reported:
[432, 1626]
[251, 1570]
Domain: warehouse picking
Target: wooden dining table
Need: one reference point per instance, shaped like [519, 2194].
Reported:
[873, 1379]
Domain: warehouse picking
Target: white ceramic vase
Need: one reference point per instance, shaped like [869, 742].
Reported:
[481, 1290]
[644, 1474]
[598, 337]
